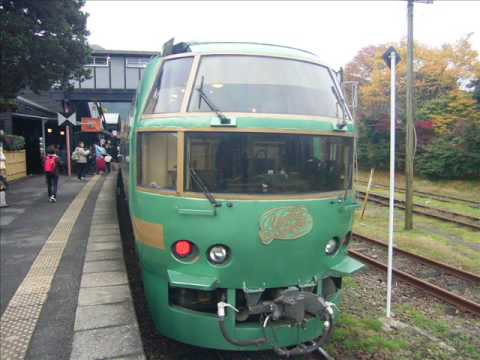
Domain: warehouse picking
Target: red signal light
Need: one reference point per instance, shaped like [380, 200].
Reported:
[183, 248]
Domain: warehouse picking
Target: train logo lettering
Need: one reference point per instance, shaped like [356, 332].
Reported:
[285, 223]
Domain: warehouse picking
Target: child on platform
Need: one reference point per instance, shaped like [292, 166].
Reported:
[51, 166]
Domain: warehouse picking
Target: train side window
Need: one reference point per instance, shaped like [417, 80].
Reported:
[169, 89]
[157, 160]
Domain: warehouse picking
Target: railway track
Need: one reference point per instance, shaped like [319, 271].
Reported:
[455, 286]
[456, 218]
[439, 197]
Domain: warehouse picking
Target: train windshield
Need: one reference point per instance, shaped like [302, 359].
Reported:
[251, 163]
[253, 84]
[169, 88]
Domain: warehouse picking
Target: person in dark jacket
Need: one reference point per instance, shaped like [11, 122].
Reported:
[51, 166]
[108, 158]
[62, 154]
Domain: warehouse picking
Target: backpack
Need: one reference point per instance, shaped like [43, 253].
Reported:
[75, 155]
[50, 164]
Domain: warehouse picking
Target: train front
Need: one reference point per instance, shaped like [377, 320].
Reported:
[241, 196]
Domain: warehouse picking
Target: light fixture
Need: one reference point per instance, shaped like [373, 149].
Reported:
[62, 132]
[332, 246]
[217, 86]
[183, 248]
[218, 254]
[49, 130]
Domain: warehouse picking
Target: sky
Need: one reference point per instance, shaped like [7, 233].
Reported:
[334, 30]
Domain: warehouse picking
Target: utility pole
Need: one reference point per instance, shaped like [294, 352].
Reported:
[69, 122]
[409, 143]
[410, 125]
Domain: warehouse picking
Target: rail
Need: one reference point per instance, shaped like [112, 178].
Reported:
[440, 197]
[438, 291]
[448, 268]
[456, 218]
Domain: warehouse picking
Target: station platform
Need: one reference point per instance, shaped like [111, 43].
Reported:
[63, 282]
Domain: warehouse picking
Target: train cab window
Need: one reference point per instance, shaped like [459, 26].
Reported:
[268, 163]
[169, 89]
[157, 160]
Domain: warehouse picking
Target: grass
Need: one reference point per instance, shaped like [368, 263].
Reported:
[460, 208]
[466, 347]
[350, 282]
[442, 241]
[356, 335]
[439, 328]
[467, 189]
[359, 334]
[365, 335]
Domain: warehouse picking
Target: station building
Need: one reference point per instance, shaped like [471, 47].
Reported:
[114, 77]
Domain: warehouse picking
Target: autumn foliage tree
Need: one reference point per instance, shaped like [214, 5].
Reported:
[446, 101]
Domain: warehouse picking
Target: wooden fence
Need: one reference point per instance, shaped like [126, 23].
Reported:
[16, 164]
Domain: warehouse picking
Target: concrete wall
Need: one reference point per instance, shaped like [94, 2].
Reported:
[117, 65]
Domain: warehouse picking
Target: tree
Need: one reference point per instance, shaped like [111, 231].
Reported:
[42, 43]
[474, 86]
[449, 112]
[447, 87]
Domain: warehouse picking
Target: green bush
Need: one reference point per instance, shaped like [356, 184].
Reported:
[13, 142]
[374, 147]
[454, 158]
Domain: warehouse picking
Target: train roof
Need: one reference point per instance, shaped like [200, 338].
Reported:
[246, 48]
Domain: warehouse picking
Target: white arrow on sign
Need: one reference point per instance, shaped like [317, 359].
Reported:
[72, 119]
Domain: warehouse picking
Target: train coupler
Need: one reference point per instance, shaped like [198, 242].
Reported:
[291, 305]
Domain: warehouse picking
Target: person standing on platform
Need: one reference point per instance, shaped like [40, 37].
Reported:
[3, 173]
[80, 155]
[51, 166]
[114, 153]
[91, 167]
[100, 154]
[62, 153]
[108, 158]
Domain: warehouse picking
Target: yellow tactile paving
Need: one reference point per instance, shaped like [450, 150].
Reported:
[21, 315]
[28, 299]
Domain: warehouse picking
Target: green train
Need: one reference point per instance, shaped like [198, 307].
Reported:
[237, 162]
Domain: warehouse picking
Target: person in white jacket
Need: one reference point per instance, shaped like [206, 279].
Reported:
[80, 155]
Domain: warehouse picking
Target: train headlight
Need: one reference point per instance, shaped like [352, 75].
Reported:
[218, 254]
[332, 246]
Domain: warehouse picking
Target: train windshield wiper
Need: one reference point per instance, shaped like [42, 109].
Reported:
[198, 180]
[210, 104]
